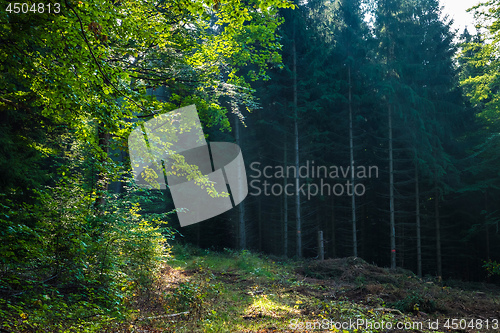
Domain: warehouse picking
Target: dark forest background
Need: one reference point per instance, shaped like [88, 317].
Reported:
[384, 88]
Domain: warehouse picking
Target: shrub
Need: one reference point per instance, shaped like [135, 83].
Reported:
[415, 302]
[492, 267]
[66, 266]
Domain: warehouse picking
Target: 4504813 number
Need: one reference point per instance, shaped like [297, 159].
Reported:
[36, 8]
[474, 324]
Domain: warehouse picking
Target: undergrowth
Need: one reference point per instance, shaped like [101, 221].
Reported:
[241, 291]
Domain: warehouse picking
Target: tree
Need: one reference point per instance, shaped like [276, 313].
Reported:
[479, 81]
[417, 50]
[73, 85]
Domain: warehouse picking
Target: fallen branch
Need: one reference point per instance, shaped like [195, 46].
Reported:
[389, 310]
[164, 316]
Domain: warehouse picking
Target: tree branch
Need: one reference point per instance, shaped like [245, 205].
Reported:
[101, 70]
[164, 316]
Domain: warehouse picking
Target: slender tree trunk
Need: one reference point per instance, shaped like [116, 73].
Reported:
[419, 237]
[296, 149]
[351, 149]
[486, 225]
[285, 203]
[321, 248]
[391, 192]
[362, 228]
[401, 247]
[333, 234]
[241, 206]
[438, 234]
[260, 223]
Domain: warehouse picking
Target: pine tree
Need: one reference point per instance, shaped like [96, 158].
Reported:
[417, 50]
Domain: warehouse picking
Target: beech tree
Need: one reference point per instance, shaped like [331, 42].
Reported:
[74, 83]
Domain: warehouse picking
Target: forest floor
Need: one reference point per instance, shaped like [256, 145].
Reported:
[204, 291]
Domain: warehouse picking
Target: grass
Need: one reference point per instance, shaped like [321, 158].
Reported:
[239, 291]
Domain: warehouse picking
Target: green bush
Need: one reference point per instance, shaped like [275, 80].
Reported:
[68, 266]
[415, 302]
[492, 267]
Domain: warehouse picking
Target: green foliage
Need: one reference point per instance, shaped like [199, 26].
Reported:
[95, 61]
[193, 297]
[479, 55]
[64, 264]
[492, 267]
[72, 86]
[415, 302]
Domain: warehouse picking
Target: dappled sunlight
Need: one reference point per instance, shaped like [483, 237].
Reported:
[267, 306]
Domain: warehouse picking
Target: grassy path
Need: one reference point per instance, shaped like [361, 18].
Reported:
[203, 291]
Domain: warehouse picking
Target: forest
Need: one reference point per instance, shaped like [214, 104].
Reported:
[368, 129]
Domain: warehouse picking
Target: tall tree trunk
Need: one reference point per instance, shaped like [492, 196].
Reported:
[241, 206]
[285, 203]
[419, 238]
[260, 222]
[351, 149]
[438, 234]
[486, 225]
[401, 247]
[333, 234]
[391, 192]
[321, 248]
[362, 228]
[296, 149]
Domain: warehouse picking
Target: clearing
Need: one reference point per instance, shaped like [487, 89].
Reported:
[238, 291]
